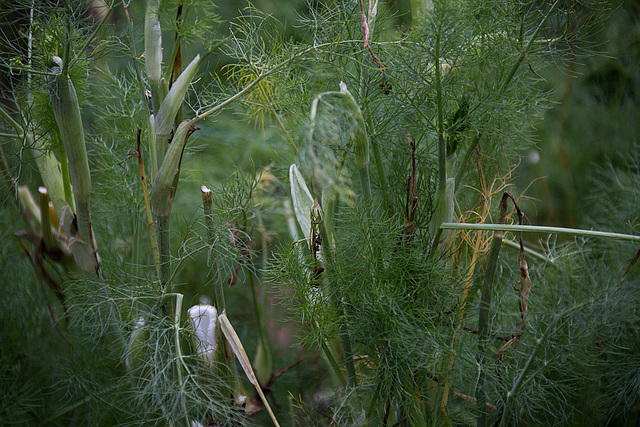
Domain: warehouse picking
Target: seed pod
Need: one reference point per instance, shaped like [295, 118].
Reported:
[153, 55]
[45, 219]
[153, 146]
[241, 355]
[173, 101]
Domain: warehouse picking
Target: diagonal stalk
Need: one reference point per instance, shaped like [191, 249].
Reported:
[541, 229]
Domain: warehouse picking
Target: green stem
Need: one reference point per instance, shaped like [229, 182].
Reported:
[258, 309]
[248, 88]
[338, 302]
[442, 155]
[84, 219]
[7, 117]
[484, 312]
[382, 175]
[66, 182]
[45, 221]
[179, 356]
[540, 229]
[528, 251]
[7, 175]
[483, 325]
[165, 254]
[524, 372]
[527, 367]
[443, 202]
[334, 364]
[365, 182]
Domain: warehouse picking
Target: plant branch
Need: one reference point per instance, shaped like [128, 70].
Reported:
[485, 308]
[540, 229]
[263, 75]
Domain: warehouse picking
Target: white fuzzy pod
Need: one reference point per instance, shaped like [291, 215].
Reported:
[203, 319]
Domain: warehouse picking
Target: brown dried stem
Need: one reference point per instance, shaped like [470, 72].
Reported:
[366, 35]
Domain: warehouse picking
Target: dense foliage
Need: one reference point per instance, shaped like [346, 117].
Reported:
[328, 188]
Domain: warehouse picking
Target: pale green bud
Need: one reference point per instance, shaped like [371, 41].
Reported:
[263, 363]
[29, 205]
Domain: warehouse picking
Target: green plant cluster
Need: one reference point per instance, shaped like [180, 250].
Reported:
[214, 217]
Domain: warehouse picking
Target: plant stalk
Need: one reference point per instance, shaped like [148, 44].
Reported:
[485, 309]
[165, 251]
[540, 229]
[338, 302]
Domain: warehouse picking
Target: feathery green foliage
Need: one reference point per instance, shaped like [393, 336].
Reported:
[353, 168]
